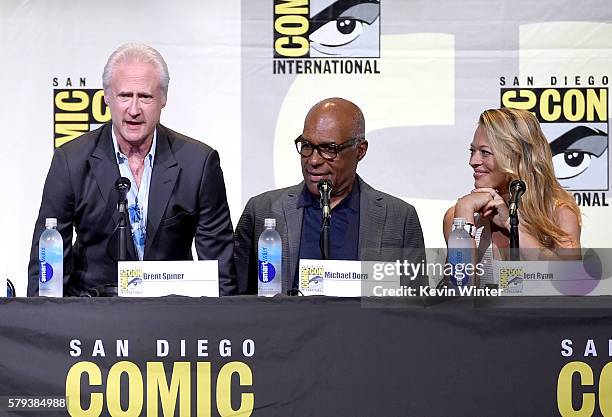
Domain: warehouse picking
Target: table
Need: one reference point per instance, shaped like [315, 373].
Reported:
[309, 356]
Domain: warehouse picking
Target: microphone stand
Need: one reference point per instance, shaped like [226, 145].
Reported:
[122, 185]
[122, 231]
[325, 189]
[325, 227]
[517, 188]
[514, 236]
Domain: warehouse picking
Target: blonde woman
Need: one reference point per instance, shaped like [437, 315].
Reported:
[508, 145]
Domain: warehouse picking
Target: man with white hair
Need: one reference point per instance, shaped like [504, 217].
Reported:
[177, 189]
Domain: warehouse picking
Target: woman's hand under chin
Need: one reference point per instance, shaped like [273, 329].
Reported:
[496, 209]
[471, 203]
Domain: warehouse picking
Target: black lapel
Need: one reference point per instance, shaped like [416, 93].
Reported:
[103, 164]
[163, 178]
[104, 168]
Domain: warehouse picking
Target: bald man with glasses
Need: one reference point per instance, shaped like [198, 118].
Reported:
[366, 224]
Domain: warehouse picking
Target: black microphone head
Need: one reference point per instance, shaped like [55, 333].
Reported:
[325, 182]
[518, 186]
[123, 185]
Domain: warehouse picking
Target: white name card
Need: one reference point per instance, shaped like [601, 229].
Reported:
[159, 278]
[345, 278]
[533, 278]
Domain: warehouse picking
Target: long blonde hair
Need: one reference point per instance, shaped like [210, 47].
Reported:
[522, 152]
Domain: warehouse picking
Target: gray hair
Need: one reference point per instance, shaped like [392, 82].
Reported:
[139, 52]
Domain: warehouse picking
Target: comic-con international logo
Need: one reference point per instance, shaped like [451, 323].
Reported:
[575, 122]
[130, 280]
[76, 110]
[311, 279]
[346, 30]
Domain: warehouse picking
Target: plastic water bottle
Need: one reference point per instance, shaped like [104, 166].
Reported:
[51, 261]
[461, 248]
[270, 250]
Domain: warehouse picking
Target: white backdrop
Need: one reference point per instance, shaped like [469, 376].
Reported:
[440, 61]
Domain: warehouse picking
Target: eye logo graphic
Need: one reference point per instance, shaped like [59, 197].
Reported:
[575, 121]
[326, 28]
[580, 158]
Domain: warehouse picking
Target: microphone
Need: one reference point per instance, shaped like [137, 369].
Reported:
[517, 189]
[122, 185]
[325, 187]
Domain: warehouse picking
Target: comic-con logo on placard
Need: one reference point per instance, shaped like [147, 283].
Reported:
[76, 110]
[130, 280]
[575, 122]
[311, 279]
[339, 29]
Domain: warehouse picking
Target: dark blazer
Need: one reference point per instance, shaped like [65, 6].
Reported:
[187, 200]
[389, 230]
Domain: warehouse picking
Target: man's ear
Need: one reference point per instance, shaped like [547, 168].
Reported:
[362, 149]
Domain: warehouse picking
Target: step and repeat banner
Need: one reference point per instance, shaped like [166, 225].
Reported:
[244, 74]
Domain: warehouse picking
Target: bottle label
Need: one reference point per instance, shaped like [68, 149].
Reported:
[48, 259]
[267, 272]
[459, 258]
[46, 272]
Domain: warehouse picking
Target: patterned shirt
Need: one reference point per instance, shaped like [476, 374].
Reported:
[138, 197]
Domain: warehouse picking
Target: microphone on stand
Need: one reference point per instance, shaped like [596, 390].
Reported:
[517, 189]
[325, 187]
[122, 185]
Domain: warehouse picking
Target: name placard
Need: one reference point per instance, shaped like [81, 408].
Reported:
[544, 278]
[159, 278]
[346, 278]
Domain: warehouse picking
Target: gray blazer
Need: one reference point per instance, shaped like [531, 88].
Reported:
[389, 230]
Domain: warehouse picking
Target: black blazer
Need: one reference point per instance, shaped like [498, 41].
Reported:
[187, 200]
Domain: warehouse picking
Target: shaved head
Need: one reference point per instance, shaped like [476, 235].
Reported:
[334, 122]
[342, 111]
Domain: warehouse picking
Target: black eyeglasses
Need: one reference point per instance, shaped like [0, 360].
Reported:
[328, 151]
